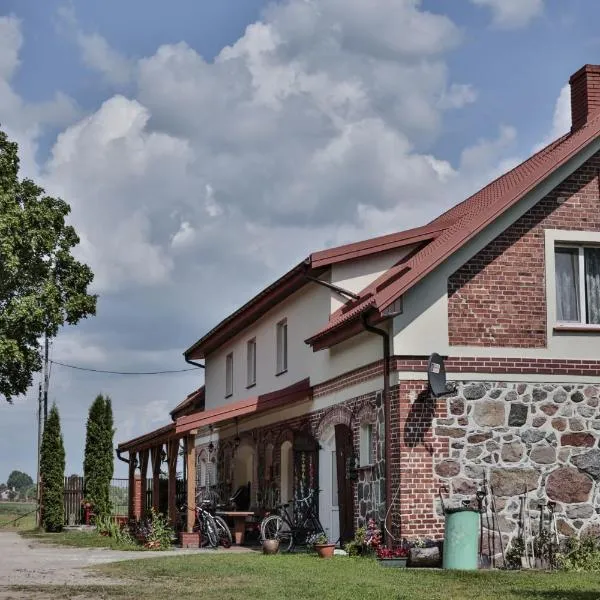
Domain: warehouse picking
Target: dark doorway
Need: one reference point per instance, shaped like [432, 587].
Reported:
[344, 454]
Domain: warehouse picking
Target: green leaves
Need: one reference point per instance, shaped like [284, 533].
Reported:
[52, 470]
[42, 286]
[98, 462]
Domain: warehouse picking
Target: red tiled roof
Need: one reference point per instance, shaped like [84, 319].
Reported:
[195, 401]
[249, 406]
[152, 438]
[295, 279]
[461, 223]
[375, 245]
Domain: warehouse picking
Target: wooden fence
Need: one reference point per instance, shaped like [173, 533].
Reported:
[119, 498]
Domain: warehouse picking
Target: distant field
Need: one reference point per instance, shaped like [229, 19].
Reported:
[9, 511]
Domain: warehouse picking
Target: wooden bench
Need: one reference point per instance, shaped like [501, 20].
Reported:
[239, 523]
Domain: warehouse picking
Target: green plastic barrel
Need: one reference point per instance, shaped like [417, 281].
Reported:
[461, 539]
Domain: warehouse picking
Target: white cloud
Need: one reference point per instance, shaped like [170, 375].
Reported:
[512, 14]
[210, 179]
[98, 55]
[11, 41]
[561, 119]
[96, 52]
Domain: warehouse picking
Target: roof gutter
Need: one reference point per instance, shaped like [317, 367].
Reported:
[385, 336]
[125, 460]
[191, 362]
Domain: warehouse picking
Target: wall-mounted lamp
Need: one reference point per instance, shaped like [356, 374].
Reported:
[237, 441]
[211, 446]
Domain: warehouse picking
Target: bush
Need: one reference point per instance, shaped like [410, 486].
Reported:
[107, 526]
[98, 464]
[581, 555]
[154, 533]
[52, 471]
[515, 553]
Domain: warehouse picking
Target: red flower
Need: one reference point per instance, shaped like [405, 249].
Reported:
[384, 552]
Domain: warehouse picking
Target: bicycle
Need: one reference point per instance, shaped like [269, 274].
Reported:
[295, 530]
[213, 530]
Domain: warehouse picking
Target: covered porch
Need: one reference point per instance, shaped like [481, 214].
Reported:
[162, 461]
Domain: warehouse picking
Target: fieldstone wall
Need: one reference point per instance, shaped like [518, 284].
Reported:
[539, 439]
[370, 487]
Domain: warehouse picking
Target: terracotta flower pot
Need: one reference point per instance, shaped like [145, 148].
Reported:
[270, 546]
[325, 550]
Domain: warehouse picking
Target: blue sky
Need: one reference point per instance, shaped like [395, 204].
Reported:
[194, 182]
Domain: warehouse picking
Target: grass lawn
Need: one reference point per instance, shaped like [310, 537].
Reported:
[303, 577]
[9, 511]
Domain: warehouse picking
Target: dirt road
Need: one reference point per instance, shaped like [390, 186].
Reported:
[27, 562]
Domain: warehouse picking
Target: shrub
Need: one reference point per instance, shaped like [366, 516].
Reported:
[515, 553]
[52, 471]
[154, 533]
[581, 555]
[107, 526]
[98, 464]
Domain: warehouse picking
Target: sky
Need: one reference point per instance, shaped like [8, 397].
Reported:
[207, 147]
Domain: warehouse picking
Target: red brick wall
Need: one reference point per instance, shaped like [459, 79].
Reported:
[498, 298]
[414, 447]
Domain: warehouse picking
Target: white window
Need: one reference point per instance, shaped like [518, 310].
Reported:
[282, 350]
[229, 375]
[577, 276]
[366, 444]
[251, 362]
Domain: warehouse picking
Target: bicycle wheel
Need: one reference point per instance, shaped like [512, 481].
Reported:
[274, 528]
[209, 532]
[223, 532]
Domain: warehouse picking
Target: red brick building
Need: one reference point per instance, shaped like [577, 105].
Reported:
[326, 369]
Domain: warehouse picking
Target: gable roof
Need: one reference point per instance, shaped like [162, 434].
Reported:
[455, 228]
[193, 402]
[292, 281]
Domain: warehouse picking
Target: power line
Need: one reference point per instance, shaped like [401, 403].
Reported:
[55, 362]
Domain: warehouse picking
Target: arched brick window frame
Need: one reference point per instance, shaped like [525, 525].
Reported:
[338, 415]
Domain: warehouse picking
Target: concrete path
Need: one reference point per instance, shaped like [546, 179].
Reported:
[27, 562]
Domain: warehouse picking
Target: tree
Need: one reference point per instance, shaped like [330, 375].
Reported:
[19, 481]
[52, 471]
[98, 465]
[42, 286]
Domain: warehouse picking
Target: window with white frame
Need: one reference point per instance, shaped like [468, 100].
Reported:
[577, 277]
[282, 349]
[229, 375]
[366, 444]
[251, 362]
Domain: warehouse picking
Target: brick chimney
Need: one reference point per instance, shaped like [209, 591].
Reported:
[585, 95]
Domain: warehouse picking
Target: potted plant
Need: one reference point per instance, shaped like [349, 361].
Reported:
[270, 546]
[392, 557]
[323, 546]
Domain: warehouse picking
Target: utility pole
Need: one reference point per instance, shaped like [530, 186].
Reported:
[46, 378]
[42, 418]
[39, 455]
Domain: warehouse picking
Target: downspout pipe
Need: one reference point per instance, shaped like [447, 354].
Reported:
[385, 336]
[195, 364]
[125, 460]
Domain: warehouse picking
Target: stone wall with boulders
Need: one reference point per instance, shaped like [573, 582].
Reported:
[538, 439]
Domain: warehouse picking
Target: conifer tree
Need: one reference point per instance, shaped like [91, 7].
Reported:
[52, 472]
[98, 462]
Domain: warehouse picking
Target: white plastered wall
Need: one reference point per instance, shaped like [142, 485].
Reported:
[306, 312]
[356, 275]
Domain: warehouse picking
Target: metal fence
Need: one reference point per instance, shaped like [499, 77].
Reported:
[73, 497]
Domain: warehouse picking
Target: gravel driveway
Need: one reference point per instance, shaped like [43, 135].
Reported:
[27, 562]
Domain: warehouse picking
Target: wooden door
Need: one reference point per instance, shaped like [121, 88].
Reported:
[344, 452]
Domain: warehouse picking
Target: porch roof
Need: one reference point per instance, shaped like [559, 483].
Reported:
[300, 390]
[148, 440]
